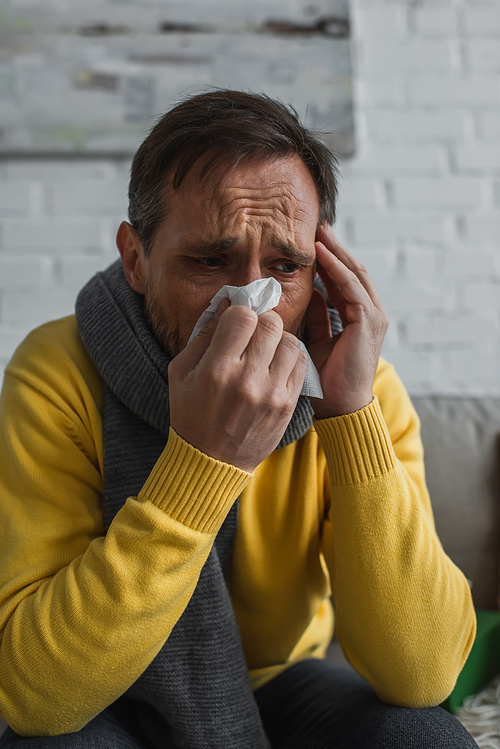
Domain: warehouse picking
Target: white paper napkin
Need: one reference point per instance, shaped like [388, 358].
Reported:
[260, 295]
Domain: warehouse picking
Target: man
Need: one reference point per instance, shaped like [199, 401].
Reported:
[173, 518]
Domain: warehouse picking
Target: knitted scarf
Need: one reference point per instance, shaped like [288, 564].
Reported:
[196, 691]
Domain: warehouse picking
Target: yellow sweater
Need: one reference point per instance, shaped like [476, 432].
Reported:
[82, 614]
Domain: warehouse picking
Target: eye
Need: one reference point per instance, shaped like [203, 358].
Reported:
[210, 262]
[285, 267]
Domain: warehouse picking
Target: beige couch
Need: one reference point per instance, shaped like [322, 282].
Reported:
[462, 452]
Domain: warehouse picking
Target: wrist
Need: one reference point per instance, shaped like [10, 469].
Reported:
[357, 447]
[327, 410]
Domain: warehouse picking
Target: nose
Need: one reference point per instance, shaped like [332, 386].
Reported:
[245, 275]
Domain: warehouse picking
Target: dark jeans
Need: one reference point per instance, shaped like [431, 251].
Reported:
[313, 705]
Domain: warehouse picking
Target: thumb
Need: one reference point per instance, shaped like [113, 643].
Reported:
[194, 351]
[318, 324]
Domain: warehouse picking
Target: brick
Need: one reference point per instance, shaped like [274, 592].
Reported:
[450, 331]
[382, 21]
[379, 4]
[386, 91]
[480, 295]
[355, 191]
[399, 159]
[51, 234]
[109, 228]
[70, 169]
[19, 272]
[416, 369]
[478, 158]
[403, 296]
[483, 228]
[489, 127]
[484, 54]
[444, 90]
[421, 263]
[76, 271]
[89, 197]
[453, 192]
[482, 21]
[441, 3]
[416, 125]
[436, 21]
[36, 307]
[471, 372]
[380, 262]
[341, 230]
[412, 55]
[16, 198]
[382, 228]
[10, 338]
[470, 262]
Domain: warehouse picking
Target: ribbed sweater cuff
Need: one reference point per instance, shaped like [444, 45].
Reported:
[357, 446]
[193, 488]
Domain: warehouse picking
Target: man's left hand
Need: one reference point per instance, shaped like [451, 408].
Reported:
[348, 361]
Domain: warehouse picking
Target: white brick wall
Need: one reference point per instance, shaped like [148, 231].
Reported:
[427, 90]
[58, 220]
[420, 203]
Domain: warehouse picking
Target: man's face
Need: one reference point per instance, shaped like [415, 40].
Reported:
[256, 220]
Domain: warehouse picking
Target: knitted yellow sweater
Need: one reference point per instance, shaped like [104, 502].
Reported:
[83, 614]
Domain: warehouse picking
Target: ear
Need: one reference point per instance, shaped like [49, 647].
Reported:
[133, 257]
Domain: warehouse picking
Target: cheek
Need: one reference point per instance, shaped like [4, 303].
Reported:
[190, 307]
[293, 306]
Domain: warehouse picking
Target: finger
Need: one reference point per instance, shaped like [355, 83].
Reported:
[318, 323]
[224, 304]
[196, 349]
[341, 283]
[285, 359]
[233, 333]
[328, 239]
[265, 340]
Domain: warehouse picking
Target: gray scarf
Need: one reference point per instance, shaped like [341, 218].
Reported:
[196, 691]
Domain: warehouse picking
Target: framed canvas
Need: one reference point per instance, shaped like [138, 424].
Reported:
[92, 77]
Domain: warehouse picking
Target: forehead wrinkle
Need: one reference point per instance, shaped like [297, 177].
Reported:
[278, 208]
[277, 194]
[244, 208]
[258, 224]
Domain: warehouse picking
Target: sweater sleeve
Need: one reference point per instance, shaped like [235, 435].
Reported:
[82, 614]
[404, 613]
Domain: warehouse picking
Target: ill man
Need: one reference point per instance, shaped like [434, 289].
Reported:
[175, 514]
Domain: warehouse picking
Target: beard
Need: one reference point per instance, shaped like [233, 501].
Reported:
[167, 335]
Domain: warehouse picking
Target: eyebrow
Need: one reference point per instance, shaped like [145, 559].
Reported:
[219, 246]
[208, 249]
[293, 253]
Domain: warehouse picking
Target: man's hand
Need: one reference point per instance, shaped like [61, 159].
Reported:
[234, 388]
[346, 362]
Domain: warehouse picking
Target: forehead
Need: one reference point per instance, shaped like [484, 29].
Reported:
[254, 191]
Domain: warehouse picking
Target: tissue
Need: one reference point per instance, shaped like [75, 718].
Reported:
[261, 296]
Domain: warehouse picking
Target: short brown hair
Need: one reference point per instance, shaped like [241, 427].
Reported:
[234, 125]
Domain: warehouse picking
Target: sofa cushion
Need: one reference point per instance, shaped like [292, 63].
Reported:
[461, 439]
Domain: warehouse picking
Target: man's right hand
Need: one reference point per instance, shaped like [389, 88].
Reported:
[234, 388]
